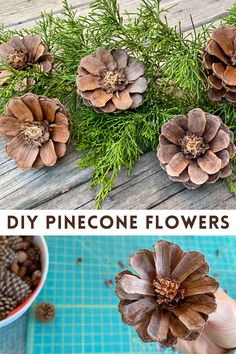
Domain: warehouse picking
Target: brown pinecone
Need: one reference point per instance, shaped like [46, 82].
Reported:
[170, 298]
[6, 306]
[37, 130]
[45, 312]
[111, 81]
[24, 53]
[220, 60]
[196, 149]
[13, 286]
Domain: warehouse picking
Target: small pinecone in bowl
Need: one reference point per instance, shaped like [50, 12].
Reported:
[220, 60]
[111, 82]
[20, 271]
[196, 149]
[171, 295]
[37, 130]
[22, 53]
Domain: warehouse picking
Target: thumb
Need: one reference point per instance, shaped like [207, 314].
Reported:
[221, 327]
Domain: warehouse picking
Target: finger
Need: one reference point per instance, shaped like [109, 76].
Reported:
[221, 327]
[202, 345]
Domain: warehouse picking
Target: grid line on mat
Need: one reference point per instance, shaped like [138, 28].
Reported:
[87, 320]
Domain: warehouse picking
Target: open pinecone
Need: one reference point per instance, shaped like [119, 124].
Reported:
[111, 82]
[170, 298]
[220, 60]
[196, 149]
[37, 130]
[45, 312]
[23, 53]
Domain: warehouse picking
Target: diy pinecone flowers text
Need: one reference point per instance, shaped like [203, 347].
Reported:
[196, 149]
[170, 298]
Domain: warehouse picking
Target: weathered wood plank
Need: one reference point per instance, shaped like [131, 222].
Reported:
[147, 188]
[68, 188]
[64, 186]
[28, 189]
[22, 13]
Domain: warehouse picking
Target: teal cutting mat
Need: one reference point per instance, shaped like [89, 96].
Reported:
[87, 320]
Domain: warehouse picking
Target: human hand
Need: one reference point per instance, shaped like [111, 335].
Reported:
[219, 334]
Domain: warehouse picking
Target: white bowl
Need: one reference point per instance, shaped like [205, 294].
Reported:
[20, 310]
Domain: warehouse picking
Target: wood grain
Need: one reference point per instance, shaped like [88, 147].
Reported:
[18, 13]
[64, 186]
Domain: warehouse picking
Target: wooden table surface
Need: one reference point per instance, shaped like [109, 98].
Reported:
[66, 187]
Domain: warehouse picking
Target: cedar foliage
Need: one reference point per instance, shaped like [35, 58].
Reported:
[176, 78]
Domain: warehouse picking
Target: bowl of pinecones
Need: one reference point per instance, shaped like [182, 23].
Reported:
[23, 270]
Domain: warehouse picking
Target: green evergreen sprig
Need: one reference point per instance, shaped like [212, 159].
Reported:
[174, 70]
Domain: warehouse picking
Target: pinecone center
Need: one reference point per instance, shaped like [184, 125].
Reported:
[193, 146]
[34, 133]
[168, 292]
[112, 81]
[19, 59]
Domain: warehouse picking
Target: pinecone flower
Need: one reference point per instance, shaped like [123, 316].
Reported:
[111, 82]
[196, 149]
[21, 54]
[220, 60]
[170, 298]
[37, 130]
